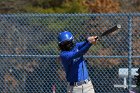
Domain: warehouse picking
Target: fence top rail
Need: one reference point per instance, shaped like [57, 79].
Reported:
[66, 14]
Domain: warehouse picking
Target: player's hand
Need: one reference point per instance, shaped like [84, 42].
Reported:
[93, 39]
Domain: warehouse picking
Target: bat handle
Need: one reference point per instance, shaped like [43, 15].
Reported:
[96, 38]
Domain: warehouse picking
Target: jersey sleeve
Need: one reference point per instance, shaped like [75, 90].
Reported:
[81, 44]
[75, 54]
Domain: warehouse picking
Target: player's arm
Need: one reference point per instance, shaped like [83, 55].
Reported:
[82, 50]
[76, 54]
[91, 39]
[81, 44]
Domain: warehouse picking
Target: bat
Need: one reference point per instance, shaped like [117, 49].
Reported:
[109, 31]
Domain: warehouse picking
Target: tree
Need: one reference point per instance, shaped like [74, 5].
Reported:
[103, 6]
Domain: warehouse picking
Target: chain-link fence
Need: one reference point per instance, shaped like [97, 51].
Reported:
[29, 55]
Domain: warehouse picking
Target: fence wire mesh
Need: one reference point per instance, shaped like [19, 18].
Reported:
[29, 54]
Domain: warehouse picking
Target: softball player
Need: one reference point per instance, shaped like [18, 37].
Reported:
[73, 62]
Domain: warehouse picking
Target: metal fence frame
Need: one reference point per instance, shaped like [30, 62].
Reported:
[130, 56]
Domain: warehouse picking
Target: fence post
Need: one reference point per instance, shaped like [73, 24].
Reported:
[129, 51]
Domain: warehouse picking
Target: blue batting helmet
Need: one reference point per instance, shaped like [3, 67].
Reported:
[65, 36]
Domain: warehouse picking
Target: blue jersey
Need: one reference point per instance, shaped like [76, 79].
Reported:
[74, 63]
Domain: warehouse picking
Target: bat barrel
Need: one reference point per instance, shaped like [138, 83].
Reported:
[118, 26]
